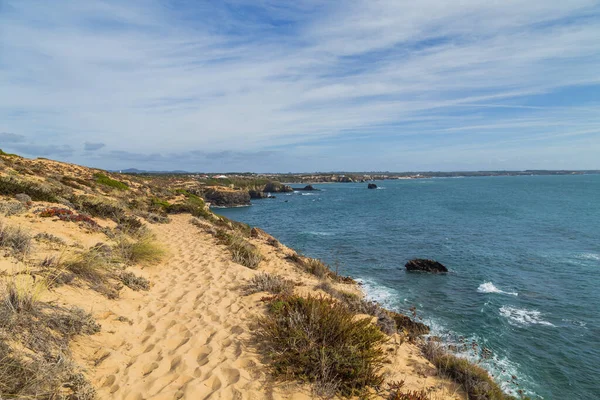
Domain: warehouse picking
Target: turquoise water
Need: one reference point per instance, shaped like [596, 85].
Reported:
[524, 255]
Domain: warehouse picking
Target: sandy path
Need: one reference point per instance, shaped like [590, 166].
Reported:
[188, 335]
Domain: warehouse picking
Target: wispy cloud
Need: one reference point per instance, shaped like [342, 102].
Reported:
[6, 137]
[88, 146]
[150, 80]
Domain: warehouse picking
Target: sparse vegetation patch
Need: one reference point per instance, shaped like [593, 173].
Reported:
[105, 180]
[134, 282]
[265, 282]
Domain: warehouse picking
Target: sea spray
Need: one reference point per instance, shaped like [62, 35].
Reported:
[488, 287]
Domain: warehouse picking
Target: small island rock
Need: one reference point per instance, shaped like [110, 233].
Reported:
[420, 264]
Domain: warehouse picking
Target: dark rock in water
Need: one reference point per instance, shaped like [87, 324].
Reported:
[227, 198]
[307, 188]
[277, 187]
[408, 325]
[372, 186]
[421, 264]
[257, 194]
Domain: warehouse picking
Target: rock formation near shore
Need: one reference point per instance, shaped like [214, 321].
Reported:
[424, 265]
[306, 188]
[227, 198]
[277, 187]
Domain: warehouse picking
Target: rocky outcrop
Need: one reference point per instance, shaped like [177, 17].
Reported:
[227, 198]
[421, 264]
[372, 186]
[277, 187]
[257, 194]
[306, 188]
[408, 325]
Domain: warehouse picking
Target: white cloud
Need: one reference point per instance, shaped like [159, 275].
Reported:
[142, 77]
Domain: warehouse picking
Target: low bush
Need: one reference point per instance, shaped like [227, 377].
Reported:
[242, 251]
[64, 214]
[10, 208]
[105, 180]
[357, 304]
[476, 382]
[265, 282]
[320, 341]
[134, 282]
[98, 207]
[11, 187]
[17, 240]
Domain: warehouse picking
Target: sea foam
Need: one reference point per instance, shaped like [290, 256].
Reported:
[488, 287]
[523, 317]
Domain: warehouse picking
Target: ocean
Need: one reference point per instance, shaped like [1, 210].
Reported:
[523, 254]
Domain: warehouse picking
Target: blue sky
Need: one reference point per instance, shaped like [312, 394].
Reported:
[268, 85]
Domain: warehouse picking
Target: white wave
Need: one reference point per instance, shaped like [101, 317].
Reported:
[488, 287]
[319, 233]
[589, 256]
[306, 194]
[520, 316]
[376, 292]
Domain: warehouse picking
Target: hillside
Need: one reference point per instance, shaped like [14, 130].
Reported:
[120, 286]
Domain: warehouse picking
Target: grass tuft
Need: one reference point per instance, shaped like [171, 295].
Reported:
[142, 250]
[319, 340]
[17, 240]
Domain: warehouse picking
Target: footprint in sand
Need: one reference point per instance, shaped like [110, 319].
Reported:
[148, 369]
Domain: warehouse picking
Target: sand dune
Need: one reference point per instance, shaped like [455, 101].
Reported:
[190, 335]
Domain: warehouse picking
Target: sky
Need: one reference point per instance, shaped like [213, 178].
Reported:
[301, 86]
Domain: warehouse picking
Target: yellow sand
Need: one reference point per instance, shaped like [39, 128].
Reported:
[190, 336]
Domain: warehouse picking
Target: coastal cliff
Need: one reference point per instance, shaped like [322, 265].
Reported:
[152, 295]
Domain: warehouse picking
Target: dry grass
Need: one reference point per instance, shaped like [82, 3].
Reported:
[320, 341]
[242, 251]
[265, 282]
[359, 305]
[17, 240]
[34, 339]
[22, 293]
[141, 250]
[317, 268]
[476, 382]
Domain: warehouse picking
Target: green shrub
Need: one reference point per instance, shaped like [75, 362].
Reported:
[108, 181]
[319, 340]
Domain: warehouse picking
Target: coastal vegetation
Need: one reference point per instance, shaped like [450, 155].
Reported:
[320, 341]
